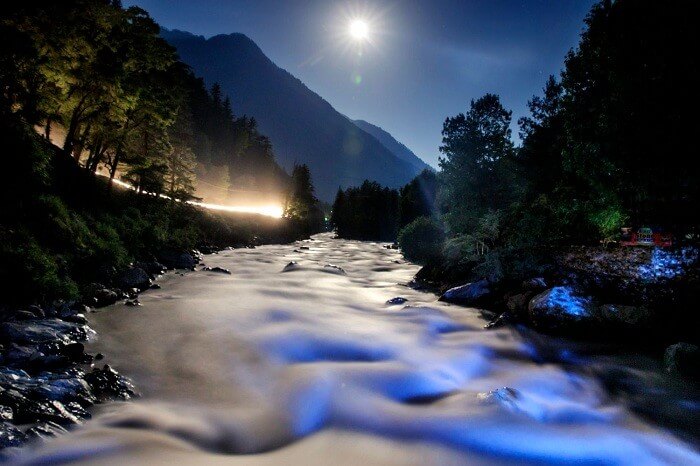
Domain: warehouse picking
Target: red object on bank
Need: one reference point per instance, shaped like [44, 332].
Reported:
[646, 237]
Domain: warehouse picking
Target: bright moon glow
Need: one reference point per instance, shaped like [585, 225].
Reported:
[359, 30]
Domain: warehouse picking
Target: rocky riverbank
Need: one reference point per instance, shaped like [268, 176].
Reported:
[631, 296]
[48, 381]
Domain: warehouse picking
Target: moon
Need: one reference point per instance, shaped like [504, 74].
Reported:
[359, 30]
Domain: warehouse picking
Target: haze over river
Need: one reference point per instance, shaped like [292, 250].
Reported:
[312, 367]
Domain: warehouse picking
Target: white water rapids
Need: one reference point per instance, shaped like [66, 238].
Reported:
[312, 367]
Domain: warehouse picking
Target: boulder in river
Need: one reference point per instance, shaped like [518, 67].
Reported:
[291, 267]
[134, 277]
[626, 316]
[683, 359]
[108, 383]
[471, 294]
[10, 436]
[217, 270]
[560, 308]
[43, 331]
[334, 269]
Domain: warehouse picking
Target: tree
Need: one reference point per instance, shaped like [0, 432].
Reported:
[477, 168]
[301, 204]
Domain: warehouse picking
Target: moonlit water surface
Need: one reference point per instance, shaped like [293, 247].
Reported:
[311, 367]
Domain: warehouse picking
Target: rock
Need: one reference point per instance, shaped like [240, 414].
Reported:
[37, 311]
[107, 383]
[505, 396]
[559, 308]
[6, 413]
[76, 319]
[24, 315]
[99, 357]
[45, 430]
[304, 248]
[155, 286]
[518, 304]
[334, 269]
[174, 259]
[397, 300]
[217, 270]
[628, 316]
[10, 436]
[537, 284]
[134, 277]
[503, 319]
[132, 302]
[101, 296]
[683, 359]
[291, 267]
[43, 331]
[471, 294]
[152, 267]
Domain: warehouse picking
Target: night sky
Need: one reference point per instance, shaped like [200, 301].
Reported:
[425, 59]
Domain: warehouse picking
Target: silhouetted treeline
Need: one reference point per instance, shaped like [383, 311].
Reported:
[369, 212]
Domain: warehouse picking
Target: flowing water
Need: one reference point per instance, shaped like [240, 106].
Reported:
[312, 367]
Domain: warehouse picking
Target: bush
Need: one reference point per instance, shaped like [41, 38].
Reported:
[421, 241]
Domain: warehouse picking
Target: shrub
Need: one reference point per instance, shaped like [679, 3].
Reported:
[421, 241]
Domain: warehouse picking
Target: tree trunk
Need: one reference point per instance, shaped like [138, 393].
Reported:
[115, 164]
[47, 129]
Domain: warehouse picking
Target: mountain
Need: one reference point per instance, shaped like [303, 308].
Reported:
[302, 126]
[387, 140]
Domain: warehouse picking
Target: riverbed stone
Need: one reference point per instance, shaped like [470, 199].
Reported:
[560, 308]
[683, 359]
[471, 294]
[108, 383]
[10, 436]
[291, 267]
[175, 259]
[134, 277]
[43, 331]
[217, 270]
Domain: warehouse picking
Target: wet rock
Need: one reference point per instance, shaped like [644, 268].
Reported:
[37, 311]
[155, 286]
[132, 302]
[24, 315]
[99, 357]
[503, 319]
[208, 249]
[151, 267]
[291, 267]
[537, 284]
[77, 319]
[627, 316]
[6, 413]
[10, 436]
[175, 259]
[397, 300]
[43, 331]
[505, 396]
[560, 308]
[471, 294]
[334, 269]
[518, 304]
[101, 296]
[45, 430]
[108, 383]
[304, 248]
[217, 270]
[134, 277]
[683, 359]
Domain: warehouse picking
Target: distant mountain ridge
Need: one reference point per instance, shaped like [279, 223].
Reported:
[302, 126]
[390, 142]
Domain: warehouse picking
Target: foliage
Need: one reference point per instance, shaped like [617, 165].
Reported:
[421, 240]
[369, 212]
[417, 198]
[301, 205]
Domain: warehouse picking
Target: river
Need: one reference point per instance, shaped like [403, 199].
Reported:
[312, 367]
